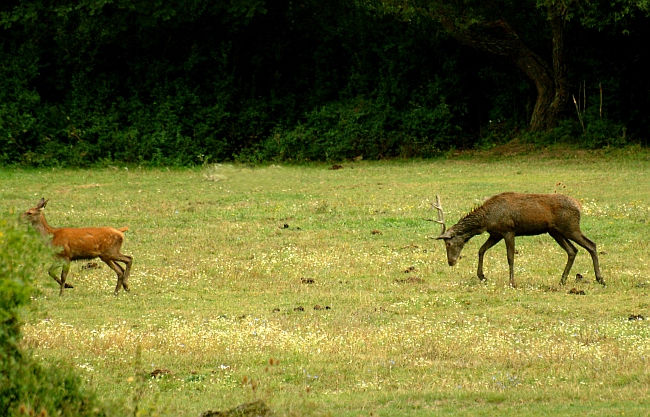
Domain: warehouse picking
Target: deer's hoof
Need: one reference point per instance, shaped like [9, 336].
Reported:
[68, 285]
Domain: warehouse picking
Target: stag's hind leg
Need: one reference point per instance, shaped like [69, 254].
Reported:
[510, 251]
[590, 246]
[570, 250]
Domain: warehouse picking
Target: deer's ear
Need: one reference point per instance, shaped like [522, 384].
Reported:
[41, 204]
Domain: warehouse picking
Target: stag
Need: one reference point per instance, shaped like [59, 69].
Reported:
[82, 243]
[507, 215]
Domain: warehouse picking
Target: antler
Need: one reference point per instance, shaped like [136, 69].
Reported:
[441, 214]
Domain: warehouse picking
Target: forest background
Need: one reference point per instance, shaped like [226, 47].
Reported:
[186, 82]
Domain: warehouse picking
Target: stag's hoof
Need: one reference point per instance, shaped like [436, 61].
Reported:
[68, 285]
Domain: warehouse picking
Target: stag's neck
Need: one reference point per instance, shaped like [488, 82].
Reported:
[472, 224]
[42, 227]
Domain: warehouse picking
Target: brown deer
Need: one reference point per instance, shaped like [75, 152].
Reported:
[507, 215]
[82, 243]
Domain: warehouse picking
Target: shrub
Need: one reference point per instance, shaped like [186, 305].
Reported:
[361, 127]
[25, 385]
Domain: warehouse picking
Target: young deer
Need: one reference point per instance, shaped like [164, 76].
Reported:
[507, 215]
[82, 244]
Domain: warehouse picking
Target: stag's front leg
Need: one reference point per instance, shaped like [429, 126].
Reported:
[492, 240]
[510, 248]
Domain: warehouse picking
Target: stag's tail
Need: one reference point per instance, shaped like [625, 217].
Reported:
[123, 229]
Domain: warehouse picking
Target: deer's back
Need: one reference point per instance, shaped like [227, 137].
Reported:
[531, 214]
[87, 242]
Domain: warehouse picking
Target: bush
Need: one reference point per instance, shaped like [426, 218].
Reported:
[601, 132]
[360, 127]
[598, 132]
[25, 385]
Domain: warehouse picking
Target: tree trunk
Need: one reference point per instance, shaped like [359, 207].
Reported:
[499, 38]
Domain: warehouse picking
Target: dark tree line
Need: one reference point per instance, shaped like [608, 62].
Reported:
[189, 81]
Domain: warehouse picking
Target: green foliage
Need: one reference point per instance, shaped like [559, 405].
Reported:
[18, 101]
[185, 82]
[25, 385]
[365, 128]
[598, 132]
[601, 132]
[20, 253]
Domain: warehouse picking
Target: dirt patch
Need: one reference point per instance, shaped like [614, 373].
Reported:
[159, 372]
[410, 280]
[90, 265]
[254, 409]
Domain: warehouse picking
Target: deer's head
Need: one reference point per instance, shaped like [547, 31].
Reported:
[453, 242]
[33, 215]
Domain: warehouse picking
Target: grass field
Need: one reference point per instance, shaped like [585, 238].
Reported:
[289, 284]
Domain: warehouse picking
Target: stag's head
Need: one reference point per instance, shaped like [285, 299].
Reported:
[33, 215]
[453, 242]
[454, 245]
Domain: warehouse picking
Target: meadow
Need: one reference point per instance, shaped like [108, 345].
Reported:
[324, 293]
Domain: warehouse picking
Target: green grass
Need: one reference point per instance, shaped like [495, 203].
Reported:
[217, 277]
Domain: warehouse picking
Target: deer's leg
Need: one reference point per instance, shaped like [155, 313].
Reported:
[64, 274]
[118, 270]
[590, 246]
[52, 272]
[570, 250]
[492, 240]
[510, 248]
[127, 270]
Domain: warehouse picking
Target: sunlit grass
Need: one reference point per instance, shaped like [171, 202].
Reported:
[230, 262]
